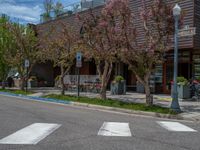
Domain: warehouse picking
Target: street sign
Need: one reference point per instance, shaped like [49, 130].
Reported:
[78, 64]
[27, 63]
[187, 31]
[78, 59]
[78, 56]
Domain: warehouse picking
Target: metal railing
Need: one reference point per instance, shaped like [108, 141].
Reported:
[73, 9]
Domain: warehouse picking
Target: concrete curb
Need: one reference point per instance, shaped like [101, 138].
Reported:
[98, 107]
[36, 98]
[151, 114]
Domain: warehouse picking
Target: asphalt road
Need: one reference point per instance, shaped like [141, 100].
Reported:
[80, 126]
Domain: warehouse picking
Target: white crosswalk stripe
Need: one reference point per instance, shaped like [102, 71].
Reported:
[115, 129]
[175, 126]
[31, 134]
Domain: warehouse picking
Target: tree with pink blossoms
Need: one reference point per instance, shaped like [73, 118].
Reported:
[60, 48]
[144, 42]
[100, 38]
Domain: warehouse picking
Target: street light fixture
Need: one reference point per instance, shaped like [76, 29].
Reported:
[177, 11]
[175, 104]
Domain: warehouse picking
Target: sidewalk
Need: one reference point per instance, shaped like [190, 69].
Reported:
[190, 109]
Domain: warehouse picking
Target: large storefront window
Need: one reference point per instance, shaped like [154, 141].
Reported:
[158, 78]
[159, 74]
[196, 59]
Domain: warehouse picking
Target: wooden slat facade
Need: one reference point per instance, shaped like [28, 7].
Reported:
[191, 10]
[197, 25]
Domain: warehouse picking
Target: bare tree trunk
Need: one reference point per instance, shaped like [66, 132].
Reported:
[103, 86]
[3, 84]
[105, 78]
[103, 90]
[62, 81]
[145, 83]
[62, 85]
[149, 97]
[22, 83]
[23, 78]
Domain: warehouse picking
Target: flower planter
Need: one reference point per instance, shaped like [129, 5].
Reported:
[118, 88]
[183, 91]
[32, 84]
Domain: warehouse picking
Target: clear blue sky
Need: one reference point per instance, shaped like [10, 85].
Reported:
[26, 11]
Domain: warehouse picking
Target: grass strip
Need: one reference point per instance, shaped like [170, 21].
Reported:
[114, 103]
[16, 91]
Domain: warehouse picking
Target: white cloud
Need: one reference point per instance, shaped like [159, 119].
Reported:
[27, 13]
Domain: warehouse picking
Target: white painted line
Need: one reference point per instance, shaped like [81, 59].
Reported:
[31, 134]
[175, 126]
[115, 129]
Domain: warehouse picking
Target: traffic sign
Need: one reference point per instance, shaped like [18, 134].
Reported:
[187, 31]
[78, 56]
[78, 59]
[27, 63]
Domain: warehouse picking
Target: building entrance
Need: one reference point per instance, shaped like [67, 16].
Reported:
[168, 72]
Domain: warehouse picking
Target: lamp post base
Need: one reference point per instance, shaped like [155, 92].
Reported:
[175, 104]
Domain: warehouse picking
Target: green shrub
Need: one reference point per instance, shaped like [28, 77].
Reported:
[198, 78]
[118, 79]
[182, 81]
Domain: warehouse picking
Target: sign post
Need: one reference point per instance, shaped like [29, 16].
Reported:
[26, 64]
[78, 65]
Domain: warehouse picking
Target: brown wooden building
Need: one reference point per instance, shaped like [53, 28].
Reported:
[189, 47]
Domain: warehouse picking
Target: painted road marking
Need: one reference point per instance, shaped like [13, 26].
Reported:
[175, 126]
[31, 134]
[115, 129]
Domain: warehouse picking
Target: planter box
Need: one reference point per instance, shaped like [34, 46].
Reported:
[183, 91]
[18, 83]
[118, 88]
[32, 84]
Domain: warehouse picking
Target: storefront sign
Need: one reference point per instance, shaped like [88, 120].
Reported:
[187, 31]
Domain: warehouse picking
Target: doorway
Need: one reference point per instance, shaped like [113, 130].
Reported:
[168, 72]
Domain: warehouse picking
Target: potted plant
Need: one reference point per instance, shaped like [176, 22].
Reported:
[118, 86]
[183, 88]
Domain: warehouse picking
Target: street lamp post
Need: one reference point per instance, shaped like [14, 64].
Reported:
[26, 64]
[175, 104]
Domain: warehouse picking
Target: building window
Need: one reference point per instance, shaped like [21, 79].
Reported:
[158, 74]
[196, 59]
